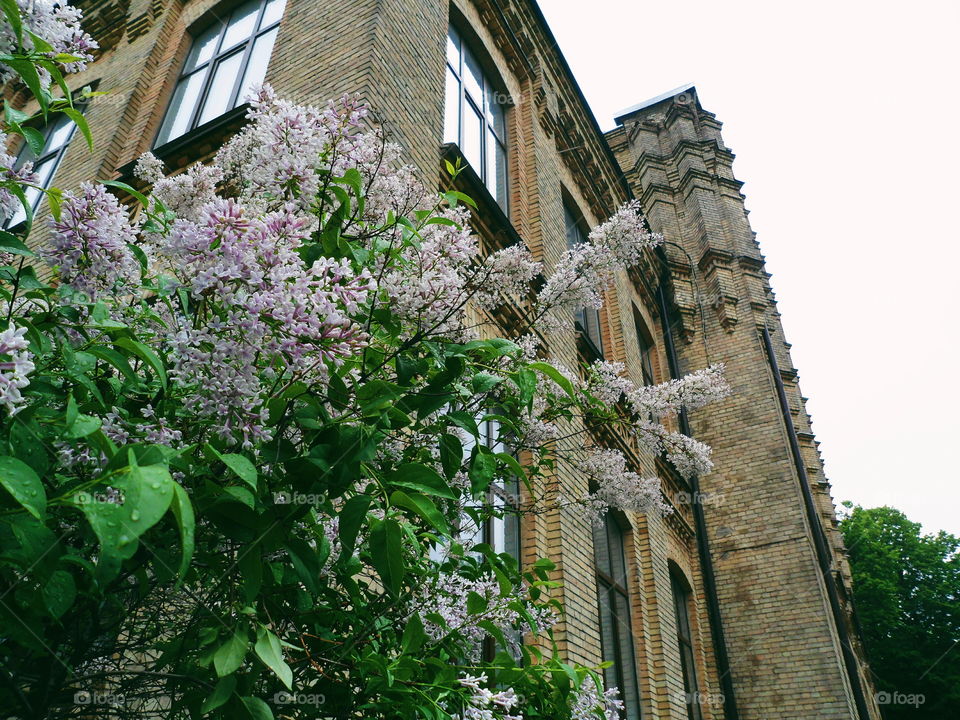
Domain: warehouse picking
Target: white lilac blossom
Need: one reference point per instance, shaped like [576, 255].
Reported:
[505, 274]
[484, 704]
[591, 701]
[690, 392]
[58, 23]
[185, 194]
[447, 597]
[580, 277]
[428, 288]
[89, 244]
[618, 487]
[15, 365]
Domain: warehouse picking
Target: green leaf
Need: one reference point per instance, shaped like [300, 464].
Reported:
[305, 563]
[82, 426]
[145, 354]
[12, 115]
[81, 122]
[484, 382]
[377, 395]
[24, 484]
[451, 454]
[59, 592]
[386, 553]
[34, 138]
[11, 244]
[230, 655]
[268, 649]
[12, 12]
[551, 372]
[183, 512]
[422, 506]
[414, 636]
[352, 515]
[241, 467]
[221, 693]
[257, 708]
[422, 479]
[28, 72]
[116, 359]
[483, 465]
[147, 493]
[136, 194]
[476, 603]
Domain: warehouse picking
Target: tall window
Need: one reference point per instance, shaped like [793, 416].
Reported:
[615, 633]
[501, 531]
[681, 602]
[647, 347]
[473, 117]
[587, 318]
[57, 135]
[226, 60]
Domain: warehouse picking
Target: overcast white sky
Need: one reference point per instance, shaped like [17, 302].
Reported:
[844, 119]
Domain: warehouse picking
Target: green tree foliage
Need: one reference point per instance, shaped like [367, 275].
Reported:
[907, 591]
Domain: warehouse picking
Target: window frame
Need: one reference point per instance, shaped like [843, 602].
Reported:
[490, 89]
[56, 156]
[210, 67]
[682, 602]
[621, 653]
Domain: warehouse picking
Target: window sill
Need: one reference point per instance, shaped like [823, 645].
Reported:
[197, 144]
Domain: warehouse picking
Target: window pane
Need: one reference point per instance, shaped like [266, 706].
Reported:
[204, 46]
[453, 49]
[494, 111]
[472, 77]
[601, 550]
[242, 24]
[257, 65]
[273, 12]
[184, 102]
[60, 134]
[44, 173]
[472, 137]
[496, 170]
[219, 95]
[627, 662]
[451, 111]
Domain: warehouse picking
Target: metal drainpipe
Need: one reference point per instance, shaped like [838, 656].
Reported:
[819, 538]
[730, 711]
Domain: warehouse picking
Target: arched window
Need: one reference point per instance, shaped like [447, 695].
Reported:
[474, 117]
[682, 601]
[226, 60]
[56, 139]
[616, 635]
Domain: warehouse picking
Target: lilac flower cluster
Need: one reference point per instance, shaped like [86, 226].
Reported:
[447, 598]
[15, 364]
[618, 487]
[690, 392]
[506, 273]
[89, 244]
[484, 704]
[58, 23]
[580, 277]
[24, 175]
[257, 305]
[591, 701]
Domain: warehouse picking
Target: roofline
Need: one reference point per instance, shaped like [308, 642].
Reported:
[601, 136]
[652, 101]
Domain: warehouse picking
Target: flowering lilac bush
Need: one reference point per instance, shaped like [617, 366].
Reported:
[243, 440]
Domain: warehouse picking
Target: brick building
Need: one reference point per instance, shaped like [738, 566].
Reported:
[738, 604]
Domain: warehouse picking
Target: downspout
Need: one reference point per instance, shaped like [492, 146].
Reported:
[819, 538]
[721, 658]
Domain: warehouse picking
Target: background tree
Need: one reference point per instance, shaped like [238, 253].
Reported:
[907, 590]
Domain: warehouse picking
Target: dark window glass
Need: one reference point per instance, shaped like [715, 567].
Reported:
[224, 63]
[474, 117]
[681, 602]
[647, 349]
[616, 635]
[57, 135]
[587, 318]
